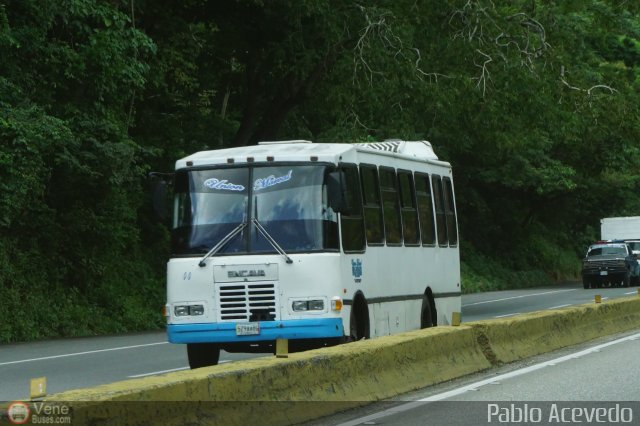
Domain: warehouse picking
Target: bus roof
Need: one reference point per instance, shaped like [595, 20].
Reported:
[302, 150]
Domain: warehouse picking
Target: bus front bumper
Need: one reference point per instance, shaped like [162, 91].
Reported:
[226, 332]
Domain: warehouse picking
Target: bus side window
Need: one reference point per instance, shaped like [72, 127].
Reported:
[436, 183]
[372, 206]
[410, 227]
[450, 211]
[425, 209]
[390, 206]
[353, 224]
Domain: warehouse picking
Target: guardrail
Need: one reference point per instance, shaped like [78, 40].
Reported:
[313, 384]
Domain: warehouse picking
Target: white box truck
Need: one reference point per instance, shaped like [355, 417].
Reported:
[620, 228]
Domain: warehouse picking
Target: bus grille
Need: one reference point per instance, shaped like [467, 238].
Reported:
[247, 302]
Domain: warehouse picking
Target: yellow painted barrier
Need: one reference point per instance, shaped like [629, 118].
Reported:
[275, 391]
[456, 318]
[309, 385]
[518, 337]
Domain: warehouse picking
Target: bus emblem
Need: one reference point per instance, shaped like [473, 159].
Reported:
[247, 273]
[356, 267]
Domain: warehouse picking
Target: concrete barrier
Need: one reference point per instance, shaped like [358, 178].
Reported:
[290, 390]
[510, 339]
[309, 385]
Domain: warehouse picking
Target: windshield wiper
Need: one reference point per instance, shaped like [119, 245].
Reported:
[222, 242]
[269, 238]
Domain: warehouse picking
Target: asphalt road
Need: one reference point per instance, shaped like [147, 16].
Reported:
[513, 302]
[83, 362]
[573, 385]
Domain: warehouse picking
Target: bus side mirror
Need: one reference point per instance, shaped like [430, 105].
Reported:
[159, 194]
[339, 199]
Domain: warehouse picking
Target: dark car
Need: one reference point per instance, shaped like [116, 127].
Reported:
[609, 263]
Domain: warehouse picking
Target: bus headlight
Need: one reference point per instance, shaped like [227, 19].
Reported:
[299, 305]
[316, 305]
[181, 310]
[307, 305]
[187, 310]
[196, 310]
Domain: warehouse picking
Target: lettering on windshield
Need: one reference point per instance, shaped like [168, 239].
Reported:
[270, 181]
[214, 183]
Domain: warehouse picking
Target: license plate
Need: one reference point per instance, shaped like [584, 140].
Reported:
[604, 273]
[247, 329]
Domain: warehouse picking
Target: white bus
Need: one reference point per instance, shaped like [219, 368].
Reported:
[315, 243]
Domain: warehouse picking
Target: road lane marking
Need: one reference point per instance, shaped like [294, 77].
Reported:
[560, 306]
[474, 386]
[158, 372]
[526, 370]
[167, 371]
[507, 315]
[81, 353]
[632, 292]
[518, 297]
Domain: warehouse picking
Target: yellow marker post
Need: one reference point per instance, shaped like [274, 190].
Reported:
[38, 387]
[598, 298]
[282, 348]
[455, 318]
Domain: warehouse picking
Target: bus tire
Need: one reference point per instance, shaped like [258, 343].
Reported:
[426, 316]
[203, 354]
[359, 319]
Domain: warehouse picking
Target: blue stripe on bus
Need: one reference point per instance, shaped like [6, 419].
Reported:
[269, 330]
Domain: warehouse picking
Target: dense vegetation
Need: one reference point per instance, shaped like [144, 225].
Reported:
[534, 102]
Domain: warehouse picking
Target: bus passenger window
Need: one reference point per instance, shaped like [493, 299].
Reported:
[425, 209]
[372, 206]
[450, 211]
[436, 183]
[410, 227]
[390, 206]
[353, 224]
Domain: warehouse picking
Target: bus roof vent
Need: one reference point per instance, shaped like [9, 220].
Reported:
[419, 149]
[283, 142]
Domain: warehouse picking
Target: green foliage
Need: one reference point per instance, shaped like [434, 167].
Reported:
[480, 273]
[536, 104]
[70, 175]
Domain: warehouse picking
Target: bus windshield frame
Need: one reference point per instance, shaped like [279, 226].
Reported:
[289, 200]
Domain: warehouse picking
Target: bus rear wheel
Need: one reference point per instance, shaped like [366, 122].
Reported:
[426, 315]
[202, 354]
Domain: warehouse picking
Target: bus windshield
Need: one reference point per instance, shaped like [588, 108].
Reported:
[289, 201]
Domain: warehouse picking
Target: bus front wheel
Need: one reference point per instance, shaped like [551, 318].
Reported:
[202, 354]
[359, 320]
